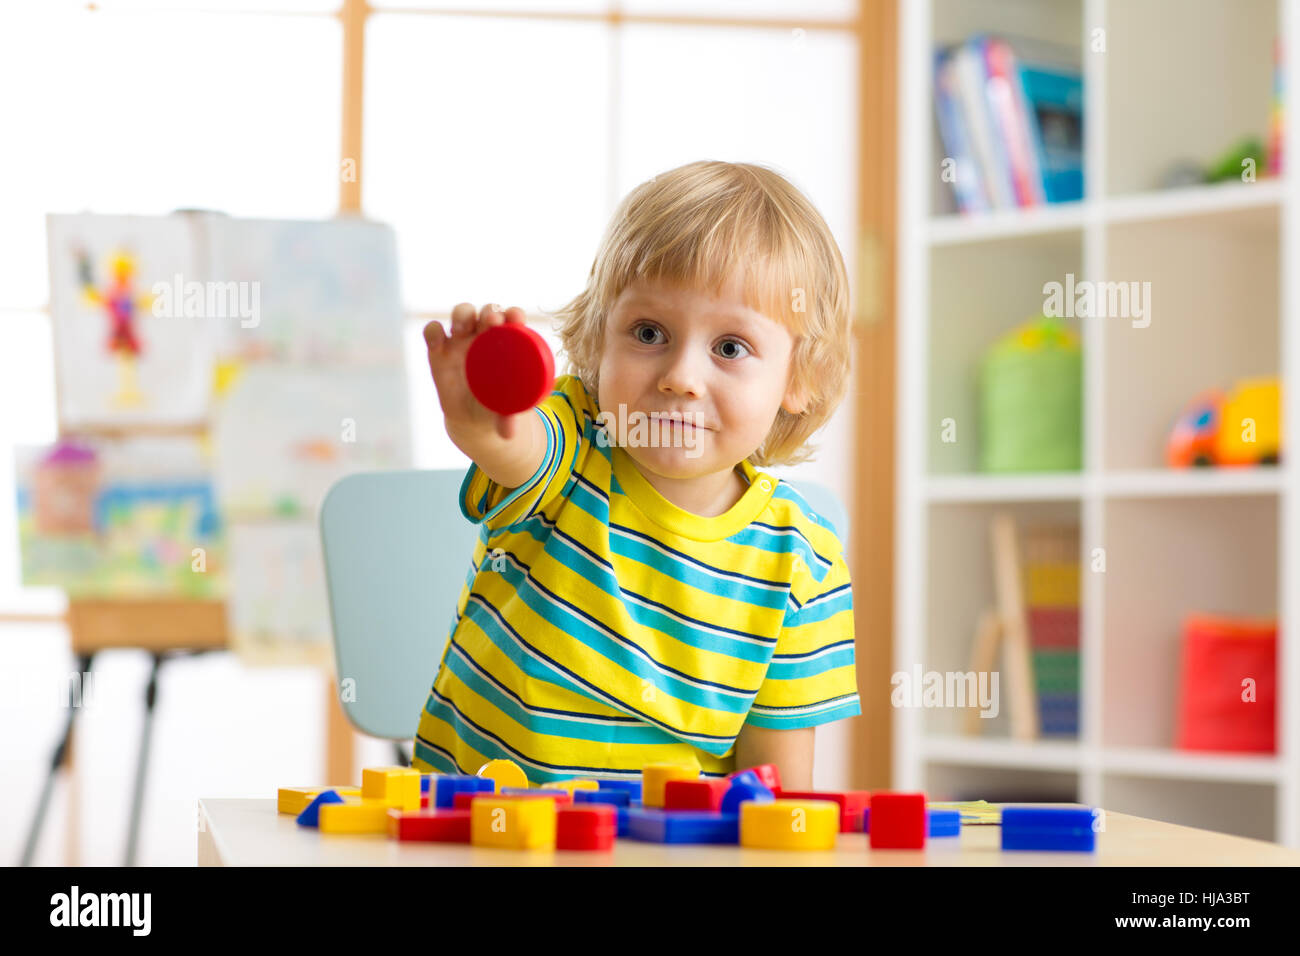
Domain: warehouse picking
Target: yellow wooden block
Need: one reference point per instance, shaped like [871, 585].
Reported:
[295, 799]
[568, 786]
[1052, 585]
[655, 775]
[790, 824]
[398, 786]
[517, 823]
[506, 773]
[365, 816]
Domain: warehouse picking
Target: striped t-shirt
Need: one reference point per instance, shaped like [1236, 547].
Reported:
[601, 627]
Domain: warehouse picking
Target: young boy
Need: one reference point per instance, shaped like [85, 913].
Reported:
[640, 591]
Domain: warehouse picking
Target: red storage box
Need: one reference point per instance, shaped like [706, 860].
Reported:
[1215, 711]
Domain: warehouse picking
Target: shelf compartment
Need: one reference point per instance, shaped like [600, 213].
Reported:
[978, 293]
[961, 588]
[1209, 66]
[1213, 303]
[1166, 559]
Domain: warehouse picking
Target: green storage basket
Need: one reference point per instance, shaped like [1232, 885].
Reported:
[1031, 400]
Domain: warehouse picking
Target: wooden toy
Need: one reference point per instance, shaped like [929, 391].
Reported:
[505, 773]
[695, 794]
[897, 821]
[463, 799]
[561, 797]
[448, 785]
[682, 826]
[615, 798]
[512, 822]
[441, 826]
[767, 775]
[944, 823]
[743, 789]
[631, 787]
[939, 822]
[852, 804]
[509, 368]
[295, 799]
[591, 826]
[366, 816]
[310, 816]
[569, 786]
[398, 786]
[790, 824]
[1049, 828]
[655, 775]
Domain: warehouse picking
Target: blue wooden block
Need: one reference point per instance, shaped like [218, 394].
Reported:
[748, 776]
[742, 789]
[682, 826]
[310, 816]
[424, 781]
[631, 787]
[943, 823]
[617, 798]
[1049, 828]
[451, 784]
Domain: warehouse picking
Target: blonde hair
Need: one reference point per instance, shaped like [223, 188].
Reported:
[695, 226]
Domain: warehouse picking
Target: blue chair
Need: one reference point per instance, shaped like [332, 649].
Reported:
[397, 552]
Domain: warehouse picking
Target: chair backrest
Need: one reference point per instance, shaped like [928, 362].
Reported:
[397, 552]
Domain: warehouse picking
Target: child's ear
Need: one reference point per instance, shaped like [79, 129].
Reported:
[796, 400]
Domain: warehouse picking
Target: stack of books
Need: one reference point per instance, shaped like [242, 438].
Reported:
[1010, 114]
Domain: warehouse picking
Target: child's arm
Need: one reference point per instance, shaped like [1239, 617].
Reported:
[790, 750]
[507, 448]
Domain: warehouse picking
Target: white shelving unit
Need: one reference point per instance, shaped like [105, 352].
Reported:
[1178, 79]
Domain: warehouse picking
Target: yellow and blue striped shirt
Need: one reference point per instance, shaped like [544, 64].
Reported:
[601, 627]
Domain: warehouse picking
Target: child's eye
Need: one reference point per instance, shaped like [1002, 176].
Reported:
[642, 327]
[734, 342]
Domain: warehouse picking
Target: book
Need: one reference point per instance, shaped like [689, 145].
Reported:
[971, 77]
[968, 180]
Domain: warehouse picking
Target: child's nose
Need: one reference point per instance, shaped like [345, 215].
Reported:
[682, 374]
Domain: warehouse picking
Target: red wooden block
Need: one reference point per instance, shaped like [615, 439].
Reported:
[852, 803]
[509, 368]
[898, 821]
[424, 801]
[591, 826]
[767, 773]
[695, 794]
[461, 800]
[438, 826]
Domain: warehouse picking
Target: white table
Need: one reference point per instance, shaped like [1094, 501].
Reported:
[252, 833]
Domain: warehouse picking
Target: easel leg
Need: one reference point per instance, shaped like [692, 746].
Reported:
[340, 752]
[62, 756]
[142, 766]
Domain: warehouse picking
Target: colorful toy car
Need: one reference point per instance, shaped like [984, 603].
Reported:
[1240, 428]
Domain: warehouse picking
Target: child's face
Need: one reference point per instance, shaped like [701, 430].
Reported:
[669, 349]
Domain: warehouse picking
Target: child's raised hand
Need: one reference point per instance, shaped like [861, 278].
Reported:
[464, 414]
